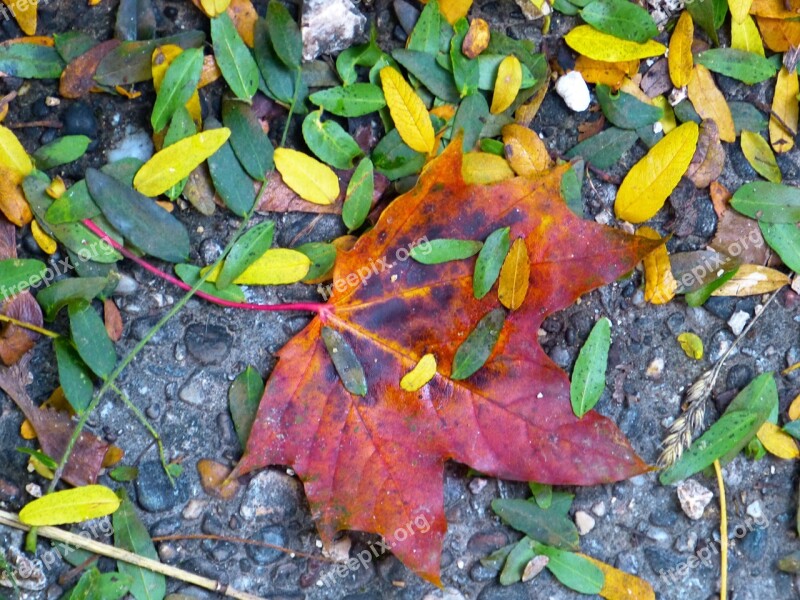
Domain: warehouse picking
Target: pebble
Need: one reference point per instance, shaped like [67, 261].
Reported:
[477, 484]
[738, 377]
[273, 534]
[126, 285]
[79, 119]
[518, 591]
[136, 143]
[535, 566]
[154, 492]
[738, 321]
[675, 323]
[330, 26]
[270, 494]
[9, 491]
[34, 490]
[560, 356]
[721, 306]
[756, 510]
[686, 542]
[36, 579]
[584, 522]
[445, 594]
[210, 250]
[167, 552]
[720, 342]
[208, 344]
[660, 559]
[574, 91]
[194, 509]
[655, 369]
[153, 411]
[599, 509]
[663, 517]
[480, 572]
[657, 534]
[193, 391]
[627, 562]
[486, 542]
[407, 14]
[694, 497]
[165, 527]
[754, 544]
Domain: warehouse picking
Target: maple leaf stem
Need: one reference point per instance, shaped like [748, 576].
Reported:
[317, 307]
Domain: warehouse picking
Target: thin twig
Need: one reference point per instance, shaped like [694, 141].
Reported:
[50, 124]
[59, 535]
[723, 534]
[235, 540]
[29, 327]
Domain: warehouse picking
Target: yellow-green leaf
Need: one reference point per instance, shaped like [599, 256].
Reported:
[785, 107]
[70, 506]
[740, 10]
[309, 178]
[680, 59]
[453, 10]
[170, 165]
[745, 36]
[794, 409]
[709, 102]
[277, 266]
[515, 276]
[525, 151]
[619, 585]
[12, 154]
[647, 185]
[421, 374]
[212, 8]
[595, 44]
[692, 345]
[408, 111]
[485, 168]
[758, 153]
[777, 442]
[507, 84]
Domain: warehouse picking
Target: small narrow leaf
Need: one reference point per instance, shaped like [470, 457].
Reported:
[75, 378]
[619, 585]
[506, 87]
[620, 18]
[70, 506]
[759, 154]
[178, 85]
[525, 151]
[285, 35]
[785, 108]
[91, 339]
[515, 276]
[250, 247]
[248, 140]
[778, 442]
[473, 352]
[309, 178]
[130, 534]
[784, 239]
[352, 100]
[680, 60]
[345, 361]
[768, 202]
[233, 57]
[490, 261]
[595, 44]
[61, 151]
[329, 141]
[243, 398]
[408, 111]
[605, 148]
[231, 181]
[358, 199]
[551, 526]
[573, 570]
[438, 251]
[738, 64]
[421, 374]
[589, 375]
[709, 102]
[12, 154]
[278, 266]
[626, 111]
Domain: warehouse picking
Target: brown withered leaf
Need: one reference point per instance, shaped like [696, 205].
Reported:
[280, 198]
[709, 157]
[477, 38]
[112, 320]
[591, 128]
[741, 237]
[78, 76]
[683, 201]
[719, 197]
[212, 478]
[199, 191]
[656, 80]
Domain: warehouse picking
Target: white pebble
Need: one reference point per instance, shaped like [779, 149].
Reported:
[738, 321]
[694, 497]
[755, 510]
[573, 89]
[584, 522]
[599, 509]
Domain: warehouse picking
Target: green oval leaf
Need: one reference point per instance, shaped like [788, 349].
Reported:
[768, 202]
[73, 375]
[551, 526]
[179, 83]
[130, 534]
[249, 142]
[358, 200]
[620, 18]
[322, 257]
[231, 181]
[234, 60]
[244, 397]
[589, 375]
[470, 118]
[285, 35]
[350, 101]
[738, 64]
[244, 253]
[424, 67]
[190, 275]
[57, 295]
[345, 361]
[626, 111]
[605, 148]
[442, 250]
[329, 141]
[91, 339]
[465, 71]
[61, 151]
[30, 61]
[474, 351]
[574, 571]
[784, 238]
[490, 260]
[19, 274]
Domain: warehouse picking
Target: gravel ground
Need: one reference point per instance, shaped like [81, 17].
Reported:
[181, 380]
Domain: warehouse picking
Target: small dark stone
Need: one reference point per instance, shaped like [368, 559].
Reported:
[9, 491]
[208, 344]
[171, 13]
[518, 591]
[675, 322]
[218, 551]
[153, 411]
[552, 325]
[406, 14]
[663, 517]
[754, 544]
[272, 534]
[210, 250]
[39, 109]
[79, 119]
[570, 336]
[738, 376]
[165, 527]
[560, 356]
[627, 562]
[30, 245]
[154, 491]
[661, 560]
[212, 525]
[720, 342]
[721, 306]
[399, 34]
[479, 572]
[142, 326]
[486, 542]
[48, 136]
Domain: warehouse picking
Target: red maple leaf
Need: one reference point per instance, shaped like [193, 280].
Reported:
[375, 463]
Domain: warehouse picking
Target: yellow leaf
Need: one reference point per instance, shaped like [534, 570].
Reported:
[477, 38]
[794, 409]
[421, 374]
[309, 178]
[56, 188]
[709, 102]
[647, 185]
[692, 345]
[526, 112]
[408, 111]
[161, 60]
[630, 87]
[774, 9]
[740, 10]
[24, 13]
[680, 51]
[587, 40]
[210, 72]
[485, 168]
[213, 8]
[506, 86]
[778, 442]
[610, 73]
[12, 154]
[44, 241]
[745, 36]
[12, 201]
[277, 266]
[758, 153]
[750, 280]
[244, 17]
[525, 151]
[619, 585]
[515, 276]
[170, 165]
[70, 506]
[660, 285]
[453, 10]
[668, 121]
[785, 107]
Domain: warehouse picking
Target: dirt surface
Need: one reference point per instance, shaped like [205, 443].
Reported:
[182, 377]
